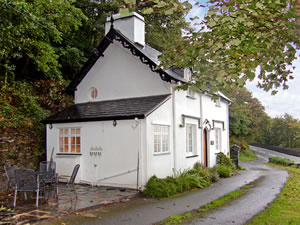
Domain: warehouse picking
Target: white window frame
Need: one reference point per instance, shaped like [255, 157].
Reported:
[190, 93]
[191, 139]
[218, 102]
[161, 139]
[69, 138]
[218, 139]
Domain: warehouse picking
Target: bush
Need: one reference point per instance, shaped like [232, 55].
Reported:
[224, 170]
[240, 142]
[197, 177]
[214, 175]
[222, 159]
[157, 187]
[280, 161]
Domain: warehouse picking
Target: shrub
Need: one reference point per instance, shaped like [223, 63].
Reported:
[214, 174]
[222, 159]
[280, 161]
[224, 170]
[181, 181]
[157, 187]
[240, 142]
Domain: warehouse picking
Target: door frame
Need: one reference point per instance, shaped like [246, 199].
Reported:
[205, 148]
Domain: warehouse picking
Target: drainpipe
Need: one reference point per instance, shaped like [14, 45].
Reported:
[174, 125]
[201, 119]
[228, 138]
[139, 130]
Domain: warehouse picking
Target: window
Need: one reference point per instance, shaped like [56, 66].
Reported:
[69, 140]
[93, 93]
[161, 139]
[218, 102]
[190, 139]
[187, 74]
[190, 93]
[218, 139]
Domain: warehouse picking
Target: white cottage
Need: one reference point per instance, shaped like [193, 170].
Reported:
[128, 121]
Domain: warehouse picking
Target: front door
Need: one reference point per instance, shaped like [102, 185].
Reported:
[205, 147]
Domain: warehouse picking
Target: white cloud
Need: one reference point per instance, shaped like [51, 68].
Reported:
[285, 101]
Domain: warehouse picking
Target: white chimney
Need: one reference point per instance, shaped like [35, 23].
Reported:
[132, 26]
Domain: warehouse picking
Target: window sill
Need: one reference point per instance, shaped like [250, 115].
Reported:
[191, 156]
[191, 97]
[65, 154]
[163, 153]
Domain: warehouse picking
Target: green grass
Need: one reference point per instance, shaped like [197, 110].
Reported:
[285, 209]
[280, 161]
[188, 216]
[221, 201]
[247, 155]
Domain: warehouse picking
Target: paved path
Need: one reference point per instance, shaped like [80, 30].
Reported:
[269, 182]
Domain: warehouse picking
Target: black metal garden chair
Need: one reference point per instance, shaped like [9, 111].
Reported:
[10, 174]
[48, 173]
[71, 179]
[28, 181]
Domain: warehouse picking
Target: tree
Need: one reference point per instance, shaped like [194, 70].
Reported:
[32, 34]
[285, 131]
[248, 119]
[236, 40]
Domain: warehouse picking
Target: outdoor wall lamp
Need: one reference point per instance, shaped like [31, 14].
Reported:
[115, 123]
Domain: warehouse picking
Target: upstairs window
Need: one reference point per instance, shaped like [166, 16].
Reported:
[161, 139]
[190, 93]
[218, 102]
[188, 74]
[69, 140]
[93, 93]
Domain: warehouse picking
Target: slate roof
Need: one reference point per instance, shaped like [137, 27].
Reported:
[147, 56]
[120, 109]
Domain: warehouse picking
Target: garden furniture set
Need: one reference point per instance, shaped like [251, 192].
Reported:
[27, 180]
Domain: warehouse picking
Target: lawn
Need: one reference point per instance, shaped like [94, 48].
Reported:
[285, 209]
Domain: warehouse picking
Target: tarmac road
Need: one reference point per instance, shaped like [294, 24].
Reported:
[265, 154]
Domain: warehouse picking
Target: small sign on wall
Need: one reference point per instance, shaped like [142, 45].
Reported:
[96, 151]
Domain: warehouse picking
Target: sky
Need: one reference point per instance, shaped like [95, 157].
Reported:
[285, 101]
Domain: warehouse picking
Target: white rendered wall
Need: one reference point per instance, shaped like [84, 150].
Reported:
[212, 112]
[119, 75]
[160, 165]
[190, 107]
[119, 151]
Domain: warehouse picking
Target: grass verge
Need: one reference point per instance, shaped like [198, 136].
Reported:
[247, 155]
[285, 208]
[189, 216]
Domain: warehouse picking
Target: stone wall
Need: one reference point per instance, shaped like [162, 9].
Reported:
[20, 147]
[278, 149]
